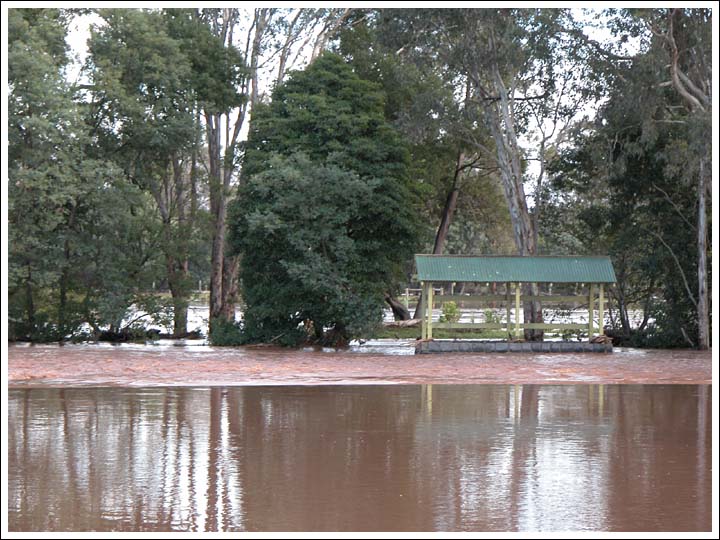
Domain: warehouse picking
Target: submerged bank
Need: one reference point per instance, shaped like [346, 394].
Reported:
[374, 362]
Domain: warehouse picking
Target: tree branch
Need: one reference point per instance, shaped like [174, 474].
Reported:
[675, 70]
[677, 262]
[597, 46]
[675, 206]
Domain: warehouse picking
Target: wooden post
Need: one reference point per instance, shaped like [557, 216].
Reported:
[591, 311]
[507, 306]
[601, 309]
[430, 310]
[517, 310]
[423, 315]
[428, 397]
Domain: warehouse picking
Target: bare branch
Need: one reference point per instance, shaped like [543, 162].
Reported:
[679, 266]
[694, 89]
[328, 30]
[674, 68]
[675, 206]
[513, 98]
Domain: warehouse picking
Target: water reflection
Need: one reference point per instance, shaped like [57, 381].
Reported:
[473, 457]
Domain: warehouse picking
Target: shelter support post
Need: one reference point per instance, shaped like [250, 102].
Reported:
[591, 311]
[430, 301]
[423, 314]
[517, 310]
[507, 307]
[601, 310]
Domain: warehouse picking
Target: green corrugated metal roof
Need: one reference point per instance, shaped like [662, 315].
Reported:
[515, 269]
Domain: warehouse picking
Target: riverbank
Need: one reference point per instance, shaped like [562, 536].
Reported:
[374, 362]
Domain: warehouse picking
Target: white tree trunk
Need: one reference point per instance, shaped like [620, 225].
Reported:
[702, 306]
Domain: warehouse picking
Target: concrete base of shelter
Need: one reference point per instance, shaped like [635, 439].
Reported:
[467, 345]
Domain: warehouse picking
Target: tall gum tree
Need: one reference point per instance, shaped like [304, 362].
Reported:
[247, 45]
[499, 62]
[679, 42]
[686, 37]
[142, 90]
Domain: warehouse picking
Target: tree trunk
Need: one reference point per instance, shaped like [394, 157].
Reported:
[177, 281]
[702, 307]
[180, 311]
[178, 274]
[445, 222]
[230, 287]
[501, 120]
[532, 312]
[193, 169]
[446, 219]
[64, 278]
[400, 312]
[223, 274]
[217, 260]
[290, 37]
[29, 305]
[217, 213]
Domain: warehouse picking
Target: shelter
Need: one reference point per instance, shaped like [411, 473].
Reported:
[596, 272]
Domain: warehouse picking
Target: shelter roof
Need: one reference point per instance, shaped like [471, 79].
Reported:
[544, 269]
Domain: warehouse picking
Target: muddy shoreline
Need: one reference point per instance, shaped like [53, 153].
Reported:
[373, 363]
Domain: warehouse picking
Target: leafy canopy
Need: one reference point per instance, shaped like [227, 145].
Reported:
[323, 219]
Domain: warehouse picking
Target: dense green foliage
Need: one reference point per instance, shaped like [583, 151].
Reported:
[78, 234]
[390, 47]
[144, 95]
[629, 184]
[323, 219]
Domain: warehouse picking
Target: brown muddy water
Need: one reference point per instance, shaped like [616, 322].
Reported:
[361, 458]
[375, 362]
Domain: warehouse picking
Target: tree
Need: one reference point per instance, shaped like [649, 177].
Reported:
[646, 155]
[384, 47]
[78, 251]
[503, 67]
[686, 37]
[143, 102]
[323, 218]
[635, 162]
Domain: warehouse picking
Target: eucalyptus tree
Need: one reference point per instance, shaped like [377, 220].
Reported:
[383, 46]
[248, 45]
[516, 75]
[143, 101]
[685, 36]
[645, 156]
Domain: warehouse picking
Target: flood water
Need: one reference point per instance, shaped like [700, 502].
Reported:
[358, 458]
